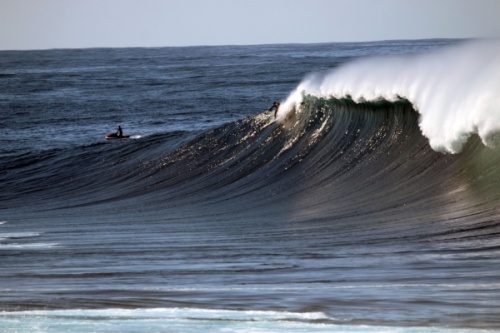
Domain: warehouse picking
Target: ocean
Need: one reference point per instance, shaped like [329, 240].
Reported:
[369, 204]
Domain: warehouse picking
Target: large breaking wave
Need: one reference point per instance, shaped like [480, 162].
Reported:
[347, 143]
[336, 159]
[455, 90]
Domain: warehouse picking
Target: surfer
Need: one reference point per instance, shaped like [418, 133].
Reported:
[119, 132]
[275, 108]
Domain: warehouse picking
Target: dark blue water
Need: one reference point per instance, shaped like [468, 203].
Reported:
[213, 216]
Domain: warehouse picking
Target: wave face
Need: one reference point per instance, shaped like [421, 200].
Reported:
[453, 89]
[332, 159]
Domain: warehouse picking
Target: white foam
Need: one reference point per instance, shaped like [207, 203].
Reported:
[183, 320]
[19, 234]
[455, 90]
[27, 246]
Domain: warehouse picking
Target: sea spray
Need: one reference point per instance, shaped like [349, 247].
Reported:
[454, 90]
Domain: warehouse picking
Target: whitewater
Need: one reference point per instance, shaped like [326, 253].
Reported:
[454, 90]
[369, 205]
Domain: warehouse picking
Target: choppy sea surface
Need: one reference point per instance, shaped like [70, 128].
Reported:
[369, 204]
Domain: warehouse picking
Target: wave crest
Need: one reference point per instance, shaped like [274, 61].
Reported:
[453, 89]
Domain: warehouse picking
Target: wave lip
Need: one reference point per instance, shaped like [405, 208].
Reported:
[454, 90]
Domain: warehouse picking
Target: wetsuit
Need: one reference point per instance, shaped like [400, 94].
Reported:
[274, 108]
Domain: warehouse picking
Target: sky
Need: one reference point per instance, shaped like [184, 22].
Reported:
[48, 24]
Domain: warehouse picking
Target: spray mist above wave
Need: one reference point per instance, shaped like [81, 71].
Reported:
[456, 90]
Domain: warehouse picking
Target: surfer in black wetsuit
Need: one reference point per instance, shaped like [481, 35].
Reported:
[119, 132]
[275, 108]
